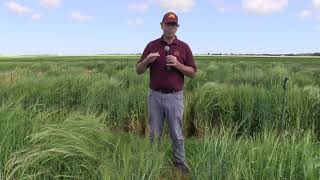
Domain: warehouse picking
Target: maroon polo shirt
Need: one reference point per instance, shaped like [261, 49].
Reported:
[160, 79]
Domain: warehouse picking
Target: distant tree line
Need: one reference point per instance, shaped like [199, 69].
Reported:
[266, 54]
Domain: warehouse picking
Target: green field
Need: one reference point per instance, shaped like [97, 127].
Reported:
[86, 118]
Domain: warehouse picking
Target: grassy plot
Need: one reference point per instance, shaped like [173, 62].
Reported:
[82, 147]
[86, 118]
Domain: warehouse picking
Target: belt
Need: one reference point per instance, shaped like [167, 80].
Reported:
[165, 91]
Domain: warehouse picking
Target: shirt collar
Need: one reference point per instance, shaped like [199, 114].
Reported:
[175, 41]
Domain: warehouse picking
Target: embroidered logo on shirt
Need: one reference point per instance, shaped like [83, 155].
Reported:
[176, 53]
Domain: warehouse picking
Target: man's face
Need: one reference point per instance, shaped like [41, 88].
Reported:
[169, 29]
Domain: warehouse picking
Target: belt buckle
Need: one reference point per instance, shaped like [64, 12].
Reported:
[167, 92]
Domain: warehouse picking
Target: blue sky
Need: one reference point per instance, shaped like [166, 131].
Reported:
[101, 27]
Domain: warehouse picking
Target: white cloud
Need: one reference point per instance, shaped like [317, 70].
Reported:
[36, 16]
[318, 18]
[318, 28]
[222, 9]
[50, 3]
[138, 7]
[304, 14]
[77, 16]
[18, 8]
[136, 21]
[263, 7]
[223, 6]
[177, 5]
[316, 4]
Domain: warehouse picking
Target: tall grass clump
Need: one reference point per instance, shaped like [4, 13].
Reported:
[74, 148]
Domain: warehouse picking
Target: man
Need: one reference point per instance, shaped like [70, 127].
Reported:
[169, 60]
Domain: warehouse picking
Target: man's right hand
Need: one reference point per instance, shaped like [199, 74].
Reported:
[152, 57]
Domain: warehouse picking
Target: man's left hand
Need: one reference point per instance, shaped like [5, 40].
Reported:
[173, 61]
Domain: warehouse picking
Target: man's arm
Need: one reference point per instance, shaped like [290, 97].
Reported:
[143, 65]
[187, 70]
[184, 69]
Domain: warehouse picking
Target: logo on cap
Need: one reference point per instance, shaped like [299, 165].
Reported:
[171, 16]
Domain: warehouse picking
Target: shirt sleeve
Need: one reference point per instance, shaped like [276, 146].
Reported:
[189, 61]
[145, 53]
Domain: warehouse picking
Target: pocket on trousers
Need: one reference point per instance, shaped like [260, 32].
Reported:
[179, 96]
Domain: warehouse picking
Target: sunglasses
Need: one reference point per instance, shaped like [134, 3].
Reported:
[172, 24]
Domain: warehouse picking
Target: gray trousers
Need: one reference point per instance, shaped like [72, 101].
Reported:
[170, 107]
